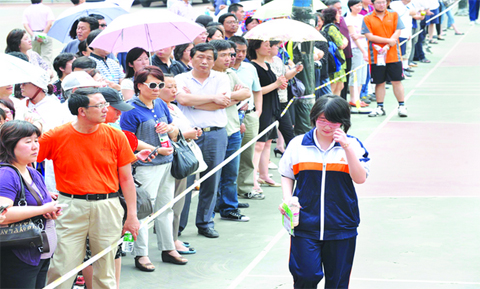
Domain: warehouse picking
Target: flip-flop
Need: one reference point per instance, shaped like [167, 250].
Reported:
[459, 33]
[189, 251]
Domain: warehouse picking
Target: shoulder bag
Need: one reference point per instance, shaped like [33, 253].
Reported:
[144, 205]
[184, 161]
[26, 234]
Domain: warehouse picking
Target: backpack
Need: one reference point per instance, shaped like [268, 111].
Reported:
[334, 65]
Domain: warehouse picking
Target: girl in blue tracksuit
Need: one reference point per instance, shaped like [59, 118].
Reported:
[325, 162]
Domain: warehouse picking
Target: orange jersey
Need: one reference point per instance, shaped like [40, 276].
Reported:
[86, 163]
[385, 28]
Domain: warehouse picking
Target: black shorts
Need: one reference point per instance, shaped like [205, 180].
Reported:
[390, 72]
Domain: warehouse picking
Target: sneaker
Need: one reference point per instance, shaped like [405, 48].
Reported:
[409, 70]
[472, 23]
[379, 111]
[366, 99]
[402, 111]
[243, 205]
[406, 74]
[252, 196]
[372, 97]
[235, 216]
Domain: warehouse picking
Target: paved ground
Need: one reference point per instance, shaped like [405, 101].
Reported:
[419, 207]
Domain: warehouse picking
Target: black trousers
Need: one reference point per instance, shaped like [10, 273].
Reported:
[285, 125]
[15, 273]
[343, 94]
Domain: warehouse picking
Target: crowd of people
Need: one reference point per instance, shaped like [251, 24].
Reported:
[219, 91]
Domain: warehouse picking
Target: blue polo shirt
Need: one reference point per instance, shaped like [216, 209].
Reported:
[142, 121]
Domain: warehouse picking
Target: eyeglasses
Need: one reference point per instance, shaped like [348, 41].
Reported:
[324, 122]
[100, 105]
[380, 3]
[233, 55]
[153, 85]
[231, 22]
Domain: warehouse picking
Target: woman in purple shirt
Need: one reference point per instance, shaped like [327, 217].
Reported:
[24, 268]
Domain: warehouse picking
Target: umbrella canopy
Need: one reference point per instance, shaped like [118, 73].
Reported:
[151, 30]
[284, 30]
[61, 27]
[247, 6]
[15, 70]
[282, 8]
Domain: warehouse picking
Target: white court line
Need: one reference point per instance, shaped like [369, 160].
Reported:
[443, 58]
[386, 280]
[282, 232]
[417, 197]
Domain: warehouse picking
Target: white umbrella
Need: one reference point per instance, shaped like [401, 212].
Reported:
[61, 27]
[151, 30]
[284, 30]
[282, 8]
[15, 70]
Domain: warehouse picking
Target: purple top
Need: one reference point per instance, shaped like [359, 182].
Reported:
[365, 12]
[342, 26]
[10, 187]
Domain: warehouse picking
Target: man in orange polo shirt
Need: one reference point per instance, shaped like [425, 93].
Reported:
[382, 29]
[91, 160]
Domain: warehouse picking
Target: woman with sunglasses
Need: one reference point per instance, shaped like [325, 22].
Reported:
[325, 162]
[152, 123]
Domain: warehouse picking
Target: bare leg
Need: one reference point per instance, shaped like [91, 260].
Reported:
[431, 30]
[179, 246]
[380, 92]
[88, 276]
[256, 159]
[398, 90]
[280, 142]
[455, 28]
[264, 160]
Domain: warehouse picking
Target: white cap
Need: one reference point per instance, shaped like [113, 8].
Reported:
[79, 79]
[41, 81]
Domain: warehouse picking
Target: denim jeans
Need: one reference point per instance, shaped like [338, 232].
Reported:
[227, 199]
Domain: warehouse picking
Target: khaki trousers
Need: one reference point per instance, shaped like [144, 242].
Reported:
[245, 170]
[102, 222]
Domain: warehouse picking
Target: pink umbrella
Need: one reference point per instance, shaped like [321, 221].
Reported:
[151, 30]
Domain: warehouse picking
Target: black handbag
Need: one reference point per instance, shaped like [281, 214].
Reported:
[144, 205]
[184, 161]
[27, 233]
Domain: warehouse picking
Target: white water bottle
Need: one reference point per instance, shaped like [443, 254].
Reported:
[294, 206]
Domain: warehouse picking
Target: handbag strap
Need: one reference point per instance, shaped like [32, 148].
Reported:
[24, 183]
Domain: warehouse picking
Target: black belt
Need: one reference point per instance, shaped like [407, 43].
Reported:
[91, 197]
[250, 110]
[211, 128]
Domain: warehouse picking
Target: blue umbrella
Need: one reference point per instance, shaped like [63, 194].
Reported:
[61, 27]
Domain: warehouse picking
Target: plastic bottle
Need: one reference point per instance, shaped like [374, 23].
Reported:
[294, 206]
[164, 139]
[127, 245]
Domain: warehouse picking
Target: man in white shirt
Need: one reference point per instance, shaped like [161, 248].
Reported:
[203, 96]
[406, 11]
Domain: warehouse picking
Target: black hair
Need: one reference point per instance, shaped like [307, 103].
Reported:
[234, 7]
[80, 98]
[232, 44]
[10, 134]
[84, 62]
[14, 39]
[224, 16]
[239, 40]
[212, 30]
[19, 54]
[179, 50]
[8, 103]
[73, 30]
[253, 45]
[75, 2]
[352, 3]
[133, 55]
[202, 47]
[60, 61]
[82, 47]
[213, 24]
[168, 75]
[204, 20]
[91, 21]
[273, 42]
[332, 2]
[36, 1]
[334, 108]
[3, 114]
[220, 45]
[97, 16]
[142, 75]
[249, 20]
[329, 15]
[92, 36]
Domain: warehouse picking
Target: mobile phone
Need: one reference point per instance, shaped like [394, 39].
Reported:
[153, 152]
[3, 208]
[62, 205]
[298, 64]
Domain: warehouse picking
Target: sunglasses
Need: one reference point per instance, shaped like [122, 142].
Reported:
[153, 85]
[233, 55]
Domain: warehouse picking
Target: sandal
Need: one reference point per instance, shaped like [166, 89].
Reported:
[143, 267]
[459, 33]
[263, 182]
[432, 41]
